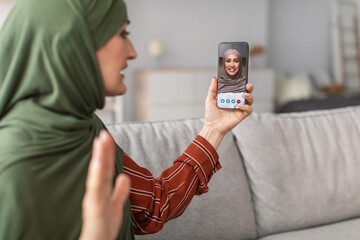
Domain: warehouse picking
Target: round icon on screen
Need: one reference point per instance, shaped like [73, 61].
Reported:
[233, 101]
[238, 101]
[227, 101]
[222, 100]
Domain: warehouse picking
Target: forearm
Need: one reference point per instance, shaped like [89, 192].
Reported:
[158, 200]
[155, 201]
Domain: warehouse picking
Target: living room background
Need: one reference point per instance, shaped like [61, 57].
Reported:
[296, 36]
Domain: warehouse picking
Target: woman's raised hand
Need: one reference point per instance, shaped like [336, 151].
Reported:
[103, 204]
[219, 121]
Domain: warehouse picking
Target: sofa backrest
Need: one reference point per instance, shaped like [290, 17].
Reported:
[303, 168]
[225, 212]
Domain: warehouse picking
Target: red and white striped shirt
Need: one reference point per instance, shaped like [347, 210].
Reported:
[155, 201]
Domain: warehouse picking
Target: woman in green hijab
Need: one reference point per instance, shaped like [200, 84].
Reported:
[58, 60]
[50, 85]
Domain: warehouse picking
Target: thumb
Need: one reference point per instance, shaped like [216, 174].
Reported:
[212, 89]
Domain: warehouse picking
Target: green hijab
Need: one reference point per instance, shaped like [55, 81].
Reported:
[50, 85]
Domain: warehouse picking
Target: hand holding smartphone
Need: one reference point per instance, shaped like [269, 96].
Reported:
[232, 74]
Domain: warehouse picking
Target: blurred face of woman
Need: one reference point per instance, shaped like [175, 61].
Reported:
[112, 58]
[232, 65]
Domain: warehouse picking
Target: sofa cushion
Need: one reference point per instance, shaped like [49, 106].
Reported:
[347, 230]
[303, 168]
[225, 212]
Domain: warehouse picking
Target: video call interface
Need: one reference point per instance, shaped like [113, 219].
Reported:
[232, 74]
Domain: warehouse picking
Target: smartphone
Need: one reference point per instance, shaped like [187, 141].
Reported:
[232, 74]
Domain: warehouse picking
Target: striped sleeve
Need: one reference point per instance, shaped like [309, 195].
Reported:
[155, 201]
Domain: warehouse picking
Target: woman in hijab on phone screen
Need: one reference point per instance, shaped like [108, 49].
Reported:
[232, 84]
[58, 61]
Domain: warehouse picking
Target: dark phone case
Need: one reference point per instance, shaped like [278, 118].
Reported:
[243, 49]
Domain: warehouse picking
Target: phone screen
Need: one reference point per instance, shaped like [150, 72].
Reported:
[232, 73]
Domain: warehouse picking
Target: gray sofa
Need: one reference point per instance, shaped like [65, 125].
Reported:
[288, 176]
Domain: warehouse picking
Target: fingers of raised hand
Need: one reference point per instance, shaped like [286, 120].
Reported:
[120, 193]
[101, 169]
